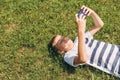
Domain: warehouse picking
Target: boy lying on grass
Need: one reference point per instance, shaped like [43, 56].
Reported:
[85, 49]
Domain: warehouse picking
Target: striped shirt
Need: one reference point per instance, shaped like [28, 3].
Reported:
[101, 55]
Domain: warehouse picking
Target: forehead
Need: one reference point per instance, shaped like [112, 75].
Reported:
[57, 38]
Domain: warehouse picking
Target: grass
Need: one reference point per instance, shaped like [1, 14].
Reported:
[27, 26]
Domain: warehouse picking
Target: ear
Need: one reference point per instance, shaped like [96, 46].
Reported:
[60, 51]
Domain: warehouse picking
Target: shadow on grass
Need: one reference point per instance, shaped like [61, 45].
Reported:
[59, 59]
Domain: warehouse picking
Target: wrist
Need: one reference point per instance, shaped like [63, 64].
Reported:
[81, 31]
[92, 13]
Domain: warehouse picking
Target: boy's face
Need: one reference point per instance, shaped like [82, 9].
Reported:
[63, 44]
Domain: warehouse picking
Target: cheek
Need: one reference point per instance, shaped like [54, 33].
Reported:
[70, 42]
[67, 45]
[61, 46]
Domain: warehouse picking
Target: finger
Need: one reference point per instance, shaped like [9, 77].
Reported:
[82, 6]
[84, 9]
[88, 14]
[81, 16]
[85, 20]
[76, 16]
[84, 17]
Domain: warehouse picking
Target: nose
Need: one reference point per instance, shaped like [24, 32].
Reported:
[66, 40]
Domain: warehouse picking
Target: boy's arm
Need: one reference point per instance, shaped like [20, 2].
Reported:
[81, 23]
[82, 57]
[98, 23]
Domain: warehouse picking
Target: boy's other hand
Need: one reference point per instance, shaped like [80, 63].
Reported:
[87, 10]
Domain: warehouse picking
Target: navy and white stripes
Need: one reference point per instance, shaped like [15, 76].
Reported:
[104, 55]
[101, 55]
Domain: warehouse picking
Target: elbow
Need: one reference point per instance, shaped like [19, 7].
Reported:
[101, 24]
[83, 60]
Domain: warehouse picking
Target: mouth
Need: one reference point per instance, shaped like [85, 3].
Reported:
[69, 44]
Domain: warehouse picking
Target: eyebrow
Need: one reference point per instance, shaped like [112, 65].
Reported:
[60, 40]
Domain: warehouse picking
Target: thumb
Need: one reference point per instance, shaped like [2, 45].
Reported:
[76, 16]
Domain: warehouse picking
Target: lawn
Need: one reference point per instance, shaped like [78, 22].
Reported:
[27, 26]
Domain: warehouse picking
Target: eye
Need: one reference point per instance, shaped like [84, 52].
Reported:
[65, 40]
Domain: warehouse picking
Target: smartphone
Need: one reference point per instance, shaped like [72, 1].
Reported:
[80, 12]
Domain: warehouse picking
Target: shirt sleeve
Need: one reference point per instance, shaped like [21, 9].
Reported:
[70, 60]
[88, 35]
